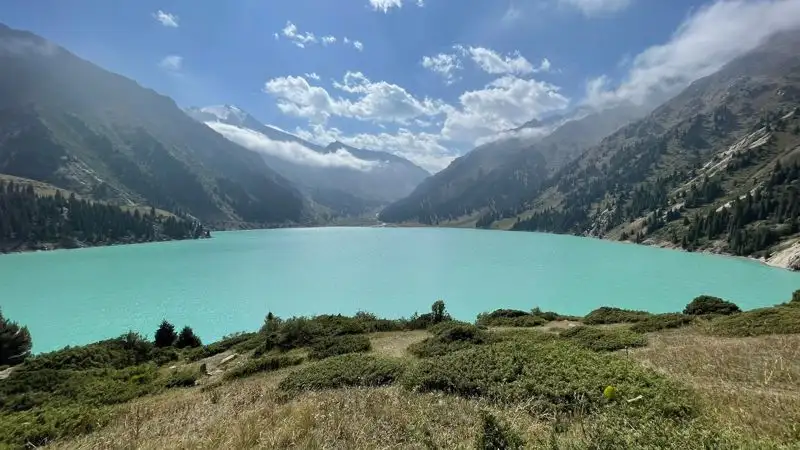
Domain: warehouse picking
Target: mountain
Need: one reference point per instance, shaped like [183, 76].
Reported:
[715, 168]
[344, 178]
[502, 173]
[67, 122]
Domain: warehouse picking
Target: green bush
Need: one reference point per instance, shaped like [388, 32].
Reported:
[15, 342]
[510, 318]
[795, 297]
[549, 377]
[662, 322]
[757, 322]
[38, 427]
[300, 332]
[606, 314]
[263, 364]
[339, 345]
[356, 369]
[185, 377]
[494, 435]
[604, 339]
[706, 304]
[449, 337]
[127, 350]
[163, 355]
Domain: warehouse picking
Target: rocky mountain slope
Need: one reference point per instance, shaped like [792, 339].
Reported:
[500, 174]
[715, 168]
[67, 122]
[346, 179]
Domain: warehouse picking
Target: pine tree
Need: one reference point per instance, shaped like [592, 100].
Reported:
[187, 338]
[15, 342]
[165, 335]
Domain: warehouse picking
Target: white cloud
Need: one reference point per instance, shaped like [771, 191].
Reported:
[172, 63]
[290, 151]
[313, 76]
[494, 63]
[597, 7]
[423, 149]
[444, 64]
[304, 39]
[503, 104]
[385, 5]
[166, 19]
[702, 44]
[299, 39]
[376, 101]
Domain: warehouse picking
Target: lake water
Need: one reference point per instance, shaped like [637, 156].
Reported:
[230, 282]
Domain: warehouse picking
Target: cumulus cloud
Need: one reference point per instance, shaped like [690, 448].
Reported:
[503, 104]
[166, 19]
[423, 149]
[444, 64]
[386, 5]
[597, 7]
[290, 151]
[172, 63]
[358, 45]
[327, 40]
[375, 101]
[495, 63]
[313, 76]
[702, 44]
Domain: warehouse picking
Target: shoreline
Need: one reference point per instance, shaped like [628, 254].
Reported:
[54, 246]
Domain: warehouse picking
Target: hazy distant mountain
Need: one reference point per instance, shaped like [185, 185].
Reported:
[502, 173]
[326, 173]
[65, 121]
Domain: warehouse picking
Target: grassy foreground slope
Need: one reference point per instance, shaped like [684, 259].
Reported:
[341, 382]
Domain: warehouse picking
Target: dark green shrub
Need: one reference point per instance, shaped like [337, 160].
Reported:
[758, 322]
[510, 318]
[187, 339]
[449, 337]
[185, 377]
[606, 314]
[127, 350]
[263, 364]
[662, 322]
[339, 345]
[165, 335]
[795, 297]
[302, 331]
[706, 304]
[163, 355]
[549, 377]
[41, 426]
[356, 369]
[604, 339]
[495, 436]
[15, 342]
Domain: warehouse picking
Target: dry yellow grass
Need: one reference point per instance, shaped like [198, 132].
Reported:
[751, 385]
[395, 343]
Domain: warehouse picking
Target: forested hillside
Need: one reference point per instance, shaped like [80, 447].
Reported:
[69, 123]
[30, 221]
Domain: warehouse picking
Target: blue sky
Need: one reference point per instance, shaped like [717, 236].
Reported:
[425, 79]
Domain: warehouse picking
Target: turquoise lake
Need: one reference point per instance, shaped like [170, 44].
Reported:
[230, 282]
